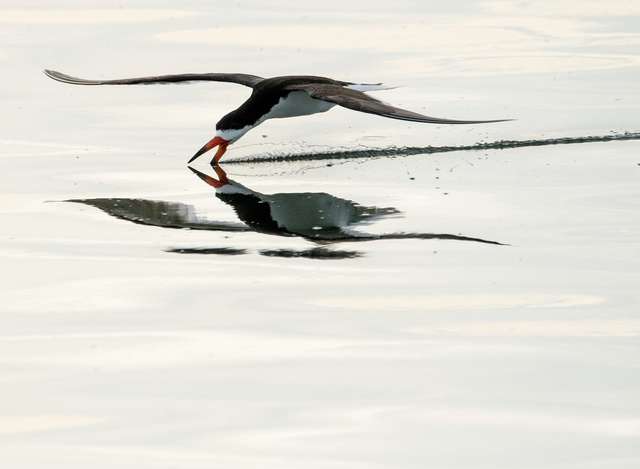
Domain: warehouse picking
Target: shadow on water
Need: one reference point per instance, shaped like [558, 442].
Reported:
[316, 216]
[313, 253]
[218, 251]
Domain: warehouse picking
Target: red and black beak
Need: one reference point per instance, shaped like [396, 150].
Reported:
[219, 142]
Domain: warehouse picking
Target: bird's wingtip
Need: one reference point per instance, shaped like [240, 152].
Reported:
[500, 120]
[53, 74]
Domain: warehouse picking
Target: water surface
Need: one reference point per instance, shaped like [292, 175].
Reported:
[371, 293]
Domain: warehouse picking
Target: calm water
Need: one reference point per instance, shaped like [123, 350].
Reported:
[385, 305]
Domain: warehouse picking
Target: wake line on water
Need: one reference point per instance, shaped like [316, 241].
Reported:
[409, 151]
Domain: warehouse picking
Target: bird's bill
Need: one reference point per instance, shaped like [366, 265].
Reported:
[219, 142]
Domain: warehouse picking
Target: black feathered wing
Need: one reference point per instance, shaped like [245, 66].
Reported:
[359, 101]
[240, 78]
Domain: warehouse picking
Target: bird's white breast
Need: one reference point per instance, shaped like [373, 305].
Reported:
[297, 103]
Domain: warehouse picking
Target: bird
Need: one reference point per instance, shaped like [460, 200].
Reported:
[277, 97]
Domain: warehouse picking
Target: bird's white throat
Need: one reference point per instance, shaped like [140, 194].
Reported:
[231, 135]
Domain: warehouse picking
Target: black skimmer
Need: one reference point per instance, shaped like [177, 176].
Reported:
[278, 97]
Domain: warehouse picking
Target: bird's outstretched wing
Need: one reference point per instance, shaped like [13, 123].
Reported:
[359, 101]
[241, 78]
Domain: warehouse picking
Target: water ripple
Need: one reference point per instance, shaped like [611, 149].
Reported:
[410, 151]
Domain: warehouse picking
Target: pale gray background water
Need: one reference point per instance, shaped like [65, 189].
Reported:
[417, 353]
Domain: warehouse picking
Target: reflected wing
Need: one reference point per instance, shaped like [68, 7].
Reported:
[359, 101]
[159, 213]
[241, 78]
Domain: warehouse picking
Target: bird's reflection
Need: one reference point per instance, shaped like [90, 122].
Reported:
[316, 216]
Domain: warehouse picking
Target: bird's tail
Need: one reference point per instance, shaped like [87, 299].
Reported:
[369, 87]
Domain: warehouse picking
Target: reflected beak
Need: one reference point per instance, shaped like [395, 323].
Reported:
[209, 180]
[219, 142]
